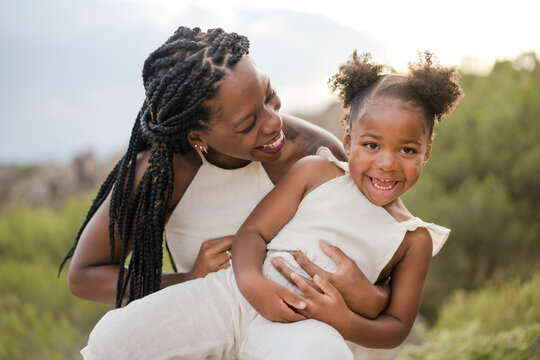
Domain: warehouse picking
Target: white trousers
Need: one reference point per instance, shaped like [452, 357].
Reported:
[209, 318]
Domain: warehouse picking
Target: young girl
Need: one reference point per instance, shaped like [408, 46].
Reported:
[356, 207]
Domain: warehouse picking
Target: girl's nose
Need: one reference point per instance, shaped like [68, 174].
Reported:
[386, 161]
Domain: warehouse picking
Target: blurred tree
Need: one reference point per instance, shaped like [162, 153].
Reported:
[483, 181]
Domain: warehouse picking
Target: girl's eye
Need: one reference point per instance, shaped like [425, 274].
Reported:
[371, 146]
[408, 150]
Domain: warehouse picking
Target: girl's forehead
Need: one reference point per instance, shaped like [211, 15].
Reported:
[387, 102]
[385, 115]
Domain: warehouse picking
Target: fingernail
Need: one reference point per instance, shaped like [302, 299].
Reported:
[317, 277]
[293, 275]
[302, 304]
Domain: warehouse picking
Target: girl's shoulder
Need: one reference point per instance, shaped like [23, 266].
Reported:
[315, 171]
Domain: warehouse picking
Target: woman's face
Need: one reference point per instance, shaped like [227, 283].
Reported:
[246, 124]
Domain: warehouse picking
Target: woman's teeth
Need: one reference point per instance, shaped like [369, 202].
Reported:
[275, 143]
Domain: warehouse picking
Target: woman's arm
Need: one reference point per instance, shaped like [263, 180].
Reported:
[391, 328]
[93, 276]
[309, 137]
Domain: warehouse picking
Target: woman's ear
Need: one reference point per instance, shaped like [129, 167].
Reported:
[195, 140]
[347, 141]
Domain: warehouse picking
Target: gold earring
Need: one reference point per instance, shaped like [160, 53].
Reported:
[204, 150]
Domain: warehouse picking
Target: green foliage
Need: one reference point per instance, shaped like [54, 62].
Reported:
[39, 317]
[494, 308]
[482, 182]
[521, 343]
[496, 322]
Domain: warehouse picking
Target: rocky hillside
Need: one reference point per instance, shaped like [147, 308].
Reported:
[50, 185]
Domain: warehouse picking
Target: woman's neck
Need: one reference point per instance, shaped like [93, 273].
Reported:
[224, 161]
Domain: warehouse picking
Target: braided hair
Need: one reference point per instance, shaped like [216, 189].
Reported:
[431, 86]
[179, 77]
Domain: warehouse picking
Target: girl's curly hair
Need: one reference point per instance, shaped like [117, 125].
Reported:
[429, 85]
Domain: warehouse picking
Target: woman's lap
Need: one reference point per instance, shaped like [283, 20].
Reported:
[207, 318]
[192, 320]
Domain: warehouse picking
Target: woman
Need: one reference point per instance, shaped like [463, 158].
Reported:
[208, 144]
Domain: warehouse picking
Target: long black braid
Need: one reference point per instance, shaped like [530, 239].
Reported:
[179, 77]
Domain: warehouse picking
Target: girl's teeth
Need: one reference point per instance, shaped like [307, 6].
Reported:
[380, 187]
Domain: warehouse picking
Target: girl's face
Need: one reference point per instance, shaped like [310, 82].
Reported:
[387, 148]
[246, 125]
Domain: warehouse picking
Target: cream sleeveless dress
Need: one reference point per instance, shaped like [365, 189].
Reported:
[209, 318]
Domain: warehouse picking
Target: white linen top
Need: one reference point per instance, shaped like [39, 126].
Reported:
[215, 204]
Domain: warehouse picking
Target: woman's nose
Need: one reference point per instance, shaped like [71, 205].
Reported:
[273, 122]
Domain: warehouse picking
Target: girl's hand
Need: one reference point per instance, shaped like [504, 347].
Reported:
[274, 301]
[327, 306]
[359, 294]
[212, 257]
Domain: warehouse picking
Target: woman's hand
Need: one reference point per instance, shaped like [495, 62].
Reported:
[272, 300]
[213, 256]
[359, 294]
[326, 305]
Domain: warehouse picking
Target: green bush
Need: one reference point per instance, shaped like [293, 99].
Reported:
[496, 322]
[493, 308]
[39, 317]
[520, 343]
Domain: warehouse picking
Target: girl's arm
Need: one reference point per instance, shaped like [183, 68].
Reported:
[391, 328]
[249, 245]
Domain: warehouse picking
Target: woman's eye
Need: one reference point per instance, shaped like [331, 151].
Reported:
[250, 127]
[271, 96]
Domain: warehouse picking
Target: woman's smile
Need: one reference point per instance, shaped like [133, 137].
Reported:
[275, 145]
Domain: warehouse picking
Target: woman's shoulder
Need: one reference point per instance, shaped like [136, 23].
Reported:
[185, 166]
[308, 137]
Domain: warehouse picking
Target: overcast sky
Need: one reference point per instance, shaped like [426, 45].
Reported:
[71, 70]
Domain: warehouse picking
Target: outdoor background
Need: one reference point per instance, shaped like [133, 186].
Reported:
[71, 87]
